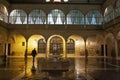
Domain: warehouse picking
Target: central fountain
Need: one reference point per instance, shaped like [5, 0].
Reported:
[54, 64]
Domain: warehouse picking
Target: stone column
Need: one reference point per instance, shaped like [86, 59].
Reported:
[26, 50]
[65, 49]
[47, 48]
[104, 49]
[104, 57]
[86, 51]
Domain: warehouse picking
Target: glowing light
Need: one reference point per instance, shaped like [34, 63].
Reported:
[34, 43]
[77, 42]
[57, 0]
[65, 0]
[47, 0]
[78, 71]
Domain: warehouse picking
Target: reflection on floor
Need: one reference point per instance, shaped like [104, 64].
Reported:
[16, 68]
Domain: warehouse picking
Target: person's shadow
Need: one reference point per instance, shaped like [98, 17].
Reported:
[33, 69]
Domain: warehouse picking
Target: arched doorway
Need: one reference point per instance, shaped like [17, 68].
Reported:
[16, 44]
[56, 46]
[110, 45]
[37, 41]
[75, 46]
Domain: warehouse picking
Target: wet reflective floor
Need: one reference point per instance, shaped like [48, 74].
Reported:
[18, 68]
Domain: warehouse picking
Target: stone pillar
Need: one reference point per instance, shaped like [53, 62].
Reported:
[104, 49]
[86, 52]
[26, 50]
[47, 49]
[65, 49]
[104, 57]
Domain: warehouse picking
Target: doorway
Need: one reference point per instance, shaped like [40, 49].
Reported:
[56, 46]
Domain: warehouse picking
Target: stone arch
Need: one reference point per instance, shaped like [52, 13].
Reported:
[79, 45]
[93, 45]
[63, 44]
[33, 42]
[99, 45]
[17, 44]
[110, 45]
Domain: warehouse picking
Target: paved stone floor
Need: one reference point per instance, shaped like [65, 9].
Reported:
[18, 68]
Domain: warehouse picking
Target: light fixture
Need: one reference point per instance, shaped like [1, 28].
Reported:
[56, 0]
[47, 0]
[65, 0]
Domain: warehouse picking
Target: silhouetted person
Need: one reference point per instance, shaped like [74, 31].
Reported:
[34, 53]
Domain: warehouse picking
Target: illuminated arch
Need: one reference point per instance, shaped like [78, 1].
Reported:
[33, 42]
[110, 43]
[63, 43]
[17, 44]
[79, 45]
[93, 45]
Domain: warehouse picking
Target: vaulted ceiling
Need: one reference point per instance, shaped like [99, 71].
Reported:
[62, 1]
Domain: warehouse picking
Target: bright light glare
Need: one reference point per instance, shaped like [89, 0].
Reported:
[57, 0]
[34, 44]
[65, 0]
[77, 42]
[47, 0]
